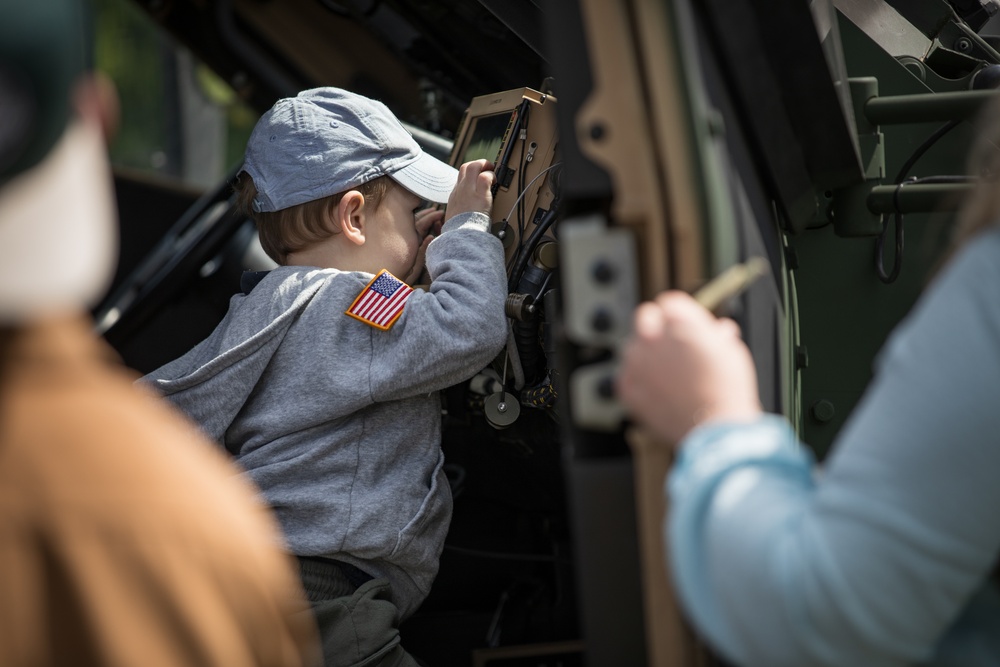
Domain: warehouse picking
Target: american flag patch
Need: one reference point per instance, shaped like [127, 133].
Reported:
[381, 301]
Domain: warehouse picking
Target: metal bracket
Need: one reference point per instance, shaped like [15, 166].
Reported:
[599, 281]
[600, 293]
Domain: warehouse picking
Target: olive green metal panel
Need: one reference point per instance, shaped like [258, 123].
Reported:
[845, 311]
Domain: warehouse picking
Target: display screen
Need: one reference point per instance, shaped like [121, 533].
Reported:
[487, 137]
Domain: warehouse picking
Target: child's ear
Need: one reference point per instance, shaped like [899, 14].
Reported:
[349, 217]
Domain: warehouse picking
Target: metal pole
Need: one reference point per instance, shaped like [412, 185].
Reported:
[916, 198]
[923, 108]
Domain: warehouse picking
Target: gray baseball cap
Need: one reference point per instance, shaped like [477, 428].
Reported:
[327, 140]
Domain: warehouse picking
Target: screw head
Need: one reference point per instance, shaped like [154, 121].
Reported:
[602, 320]
[823, 410]
[603, 271]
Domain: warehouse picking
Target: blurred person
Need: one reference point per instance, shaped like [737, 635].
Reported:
[125, 537]
[883, 556]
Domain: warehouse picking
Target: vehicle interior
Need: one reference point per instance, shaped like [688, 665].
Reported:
[640, 145]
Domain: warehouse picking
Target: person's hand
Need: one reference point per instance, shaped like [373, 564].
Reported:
[428, 222]
[473, 191]
[684, 367]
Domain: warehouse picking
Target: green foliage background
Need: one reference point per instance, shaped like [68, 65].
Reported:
[142, 61]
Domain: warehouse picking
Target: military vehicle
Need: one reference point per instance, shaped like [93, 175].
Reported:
[642, 145]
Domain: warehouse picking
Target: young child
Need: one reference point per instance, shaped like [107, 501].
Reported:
[321, 379]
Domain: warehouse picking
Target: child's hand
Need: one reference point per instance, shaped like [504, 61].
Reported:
[473, 191]
[428, 222]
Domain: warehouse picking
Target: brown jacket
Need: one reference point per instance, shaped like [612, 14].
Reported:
[125, 537]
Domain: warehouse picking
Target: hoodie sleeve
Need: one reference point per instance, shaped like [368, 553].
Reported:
[454, 330]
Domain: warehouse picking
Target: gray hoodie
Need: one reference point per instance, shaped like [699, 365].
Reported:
[339, 423]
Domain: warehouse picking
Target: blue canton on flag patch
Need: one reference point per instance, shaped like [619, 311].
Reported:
[381, 301]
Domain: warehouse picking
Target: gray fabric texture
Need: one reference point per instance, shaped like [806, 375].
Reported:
[338, 423]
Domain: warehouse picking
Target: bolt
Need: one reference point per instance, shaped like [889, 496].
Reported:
[823, 411]
[963, 44]
[501, 407]
[603, 271]
[602, 320]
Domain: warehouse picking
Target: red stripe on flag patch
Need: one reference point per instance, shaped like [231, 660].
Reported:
[381, 301]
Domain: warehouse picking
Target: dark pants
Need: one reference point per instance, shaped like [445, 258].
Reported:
[357, 624]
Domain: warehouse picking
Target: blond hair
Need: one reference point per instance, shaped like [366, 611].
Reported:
[297, 227]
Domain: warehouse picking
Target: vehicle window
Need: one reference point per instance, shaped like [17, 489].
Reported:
[180, 121]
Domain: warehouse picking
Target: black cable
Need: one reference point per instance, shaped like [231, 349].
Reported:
[897, 263]
[521, 222]
[924, 147]
[536, 235]
[898, 216]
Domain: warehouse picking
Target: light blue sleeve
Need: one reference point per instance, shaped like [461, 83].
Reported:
[869, 561]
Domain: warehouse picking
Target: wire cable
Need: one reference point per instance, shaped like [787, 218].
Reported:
[897, 217]
[524, 191]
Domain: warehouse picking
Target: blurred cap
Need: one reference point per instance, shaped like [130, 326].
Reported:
[58, 229]
[326, 141]
[42, 54]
